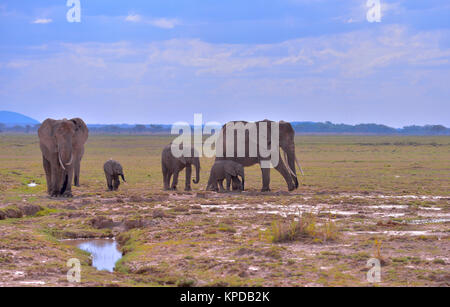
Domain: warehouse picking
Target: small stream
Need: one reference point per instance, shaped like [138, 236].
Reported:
[104, 252]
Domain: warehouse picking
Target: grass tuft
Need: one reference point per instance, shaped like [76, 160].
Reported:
[305, 227]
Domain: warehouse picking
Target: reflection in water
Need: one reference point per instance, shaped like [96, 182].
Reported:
[104, 252]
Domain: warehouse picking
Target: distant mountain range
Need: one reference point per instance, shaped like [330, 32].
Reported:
[11, 119]
[16, 122]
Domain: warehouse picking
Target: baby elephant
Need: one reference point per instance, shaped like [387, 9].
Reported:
[229, 170]
[113, 170]
[172, 166]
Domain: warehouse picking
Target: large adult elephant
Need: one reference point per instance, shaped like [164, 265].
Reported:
[62, 147]
[285, 167]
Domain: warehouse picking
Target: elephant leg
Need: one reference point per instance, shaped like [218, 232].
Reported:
[236, 184]
[169, 178]
[220, 182]
[228, 178]
[48, 173]
[109, 182]
[66, 190]
[234, 187]
[76, 176]
[175, 180]
[188, 178]
[265, 179]
[211, 183]
[116, 183]
[54, 185]
[215, 184]
[281, 168]
[166, 181]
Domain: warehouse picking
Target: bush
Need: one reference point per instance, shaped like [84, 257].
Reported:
[305, 227]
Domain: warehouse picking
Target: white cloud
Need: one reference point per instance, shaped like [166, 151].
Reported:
[384, 68]
[133, 18]
[353, 54]
[163, 23]
[42, 21]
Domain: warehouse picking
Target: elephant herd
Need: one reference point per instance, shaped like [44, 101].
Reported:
[62, 146]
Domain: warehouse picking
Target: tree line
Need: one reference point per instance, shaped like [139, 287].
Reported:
[299, 127]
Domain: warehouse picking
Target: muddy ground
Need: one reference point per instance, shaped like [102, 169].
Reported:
[360, 210]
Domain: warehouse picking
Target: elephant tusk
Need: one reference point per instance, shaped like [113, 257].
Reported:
[287, 166]
[71, 159]
[60, 161]
[285, 157]
[298, 164]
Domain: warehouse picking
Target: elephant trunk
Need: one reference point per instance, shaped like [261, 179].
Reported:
[290, 161]
[197, 172]
[65, 151]
[123, 177]
[243, 182]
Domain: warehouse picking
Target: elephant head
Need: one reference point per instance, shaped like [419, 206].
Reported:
[63, 135]
[235, 169]
[287, 134]
[117, 169]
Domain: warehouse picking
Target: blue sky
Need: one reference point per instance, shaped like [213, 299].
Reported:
[162, 61]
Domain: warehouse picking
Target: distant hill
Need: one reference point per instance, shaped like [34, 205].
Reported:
[330, 128]
[18, 123]
[10, 119]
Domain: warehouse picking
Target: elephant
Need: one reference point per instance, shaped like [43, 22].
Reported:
[113, 170]
[229, 170]
[62, 146]
[285, 141]
[173, 166]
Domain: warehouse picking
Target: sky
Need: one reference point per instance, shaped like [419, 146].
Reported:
[161, 61]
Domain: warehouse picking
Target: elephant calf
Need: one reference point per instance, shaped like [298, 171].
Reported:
[172, 166]
[113, 170]
[229, 170]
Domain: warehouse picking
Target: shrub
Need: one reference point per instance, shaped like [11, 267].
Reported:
[305, 227]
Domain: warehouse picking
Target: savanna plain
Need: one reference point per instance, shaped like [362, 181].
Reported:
[361, 197]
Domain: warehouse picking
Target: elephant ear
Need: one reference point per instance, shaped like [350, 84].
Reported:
[107, 167]
[81, 129]
[45, 133]
[286, 128]
[241, 170]
[230, 169]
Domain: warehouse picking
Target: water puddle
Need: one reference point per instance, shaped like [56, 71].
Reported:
[389, 207]
[394, 215]
[428, 221]
[226, 206]
[422, 197]
[392, 233]
[104, 252]
[299, 209]
[431, 208]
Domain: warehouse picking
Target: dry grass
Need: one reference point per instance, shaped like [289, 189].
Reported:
[304, 227]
